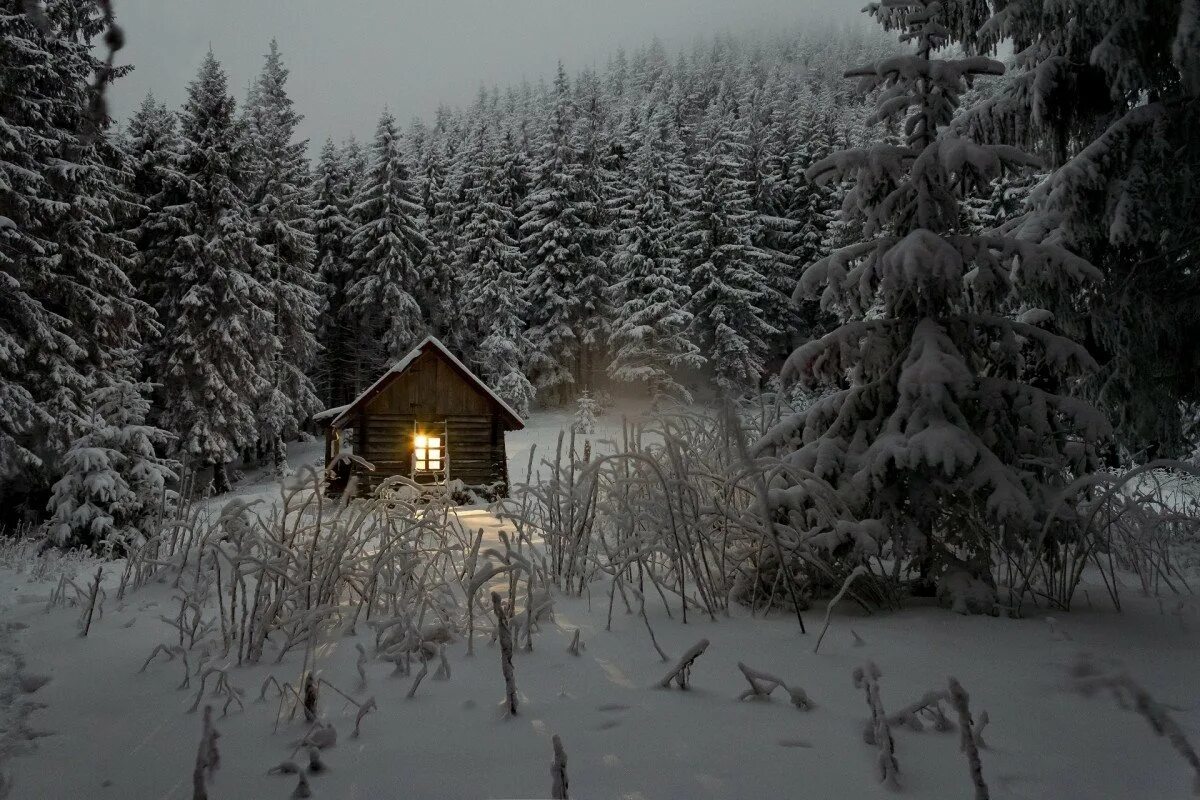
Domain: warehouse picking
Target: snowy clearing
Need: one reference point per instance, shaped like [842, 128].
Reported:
[126, 733]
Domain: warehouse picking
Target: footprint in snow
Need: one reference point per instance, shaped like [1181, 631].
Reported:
[794, 743]
[607, 725]
[612, 707]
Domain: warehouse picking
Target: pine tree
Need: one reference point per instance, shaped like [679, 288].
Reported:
[214, 358]
[282, 214]
[950, 407]
[724, 267]
[151, 144]
[650, 335]
[332, 230]
[66, 306]
[558, 240]
[492, 289]
[441, 274]
[113, 494]
[1110, 91]
[387, 247]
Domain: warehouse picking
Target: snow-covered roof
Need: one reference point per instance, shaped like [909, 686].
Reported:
[329, 413]
[342, 413]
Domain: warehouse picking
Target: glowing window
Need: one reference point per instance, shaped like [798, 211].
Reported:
[427, 453]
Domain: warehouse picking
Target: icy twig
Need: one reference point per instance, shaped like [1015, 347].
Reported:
[363, 710]
[681, 674]
[506, 646]
[1129, 693]
[858, 571]
[878, 733]
[961, 702]
[208, 758]
[558, 771]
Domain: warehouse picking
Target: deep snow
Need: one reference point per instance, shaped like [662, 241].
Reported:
[115, 732]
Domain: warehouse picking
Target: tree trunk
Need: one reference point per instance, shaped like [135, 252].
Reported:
[220, 478]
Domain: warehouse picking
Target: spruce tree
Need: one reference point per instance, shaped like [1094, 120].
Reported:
[492, 285]
[724, 267]
[214, 359]
[66, 306]
[151, 144]
[440, 273]
[113, 494]
[1109, 90]
[650, 341]
[332, 230]
[950, 406]
[557, 238]
[281, 213]
[387, 247]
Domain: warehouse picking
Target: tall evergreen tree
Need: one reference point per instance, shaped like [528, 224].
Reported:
[215, 356]
[332, 230]
[66, 306]
[1109, 90]
[950, 407]
[724, 267]
[282, 213]
[151, 144]
[440, 272]
[650, 339]
[492, 286]
[557, 237]
[388, 245]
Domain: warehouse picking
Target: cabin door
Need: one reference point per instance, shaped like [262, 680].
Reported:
[430, 457]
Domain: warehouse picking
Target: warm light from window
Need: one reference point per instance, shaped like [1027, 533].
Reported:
[427, 453]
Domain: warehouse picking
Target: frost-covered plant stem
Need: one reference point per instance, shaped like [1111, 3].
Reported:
[504, 634]
[961, 702]
[93, 596]
[682, 671]
[878, 732]
[558, 771]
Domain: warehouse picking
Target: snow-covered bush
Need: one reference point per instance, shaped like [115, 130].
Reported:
[678, 511]
[114, 492]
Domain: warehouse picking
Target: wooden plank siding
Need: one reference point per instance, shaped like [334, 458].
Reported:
[429, 391]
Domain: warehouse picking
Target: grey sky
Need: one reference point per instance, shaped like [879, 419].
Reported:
[348, 58]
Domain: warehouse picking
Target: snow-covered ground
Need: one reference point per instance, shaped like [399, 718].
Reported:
[108, 730]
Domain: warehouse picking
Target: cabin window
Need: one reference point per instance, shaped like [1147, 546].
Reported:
[428, 453]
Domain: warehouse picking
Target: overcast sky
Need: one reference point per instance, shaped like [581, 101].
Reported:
[349, 58]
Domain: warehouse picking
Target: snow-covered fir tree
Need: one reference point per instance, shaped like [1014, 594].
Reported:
[558, 238]
[332, 228]
[724, 267]
[114, 490]
[282, 214]
[650, 339]
[441, 273]
[151, 144]
[387, 247]
[493, 297]
[950, 406]
[585, 414]
[66, 305]
[215, 357]
[1110, 91]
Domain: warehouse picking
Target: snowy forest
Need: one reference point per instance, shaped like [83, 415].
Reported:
[805, 328]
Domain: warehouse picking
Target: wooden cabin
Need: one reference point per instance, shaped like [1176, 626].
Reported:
[428, 418]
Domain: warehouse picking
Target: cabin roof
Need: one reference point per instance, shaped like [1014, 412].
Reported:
[340, 415]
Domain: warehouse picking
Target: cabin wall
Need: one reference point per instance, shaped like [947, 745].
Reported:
[474, 447]
[429, 392]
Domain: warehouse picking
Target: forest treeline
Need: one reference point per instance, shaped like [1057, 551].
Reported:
[188, 288]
